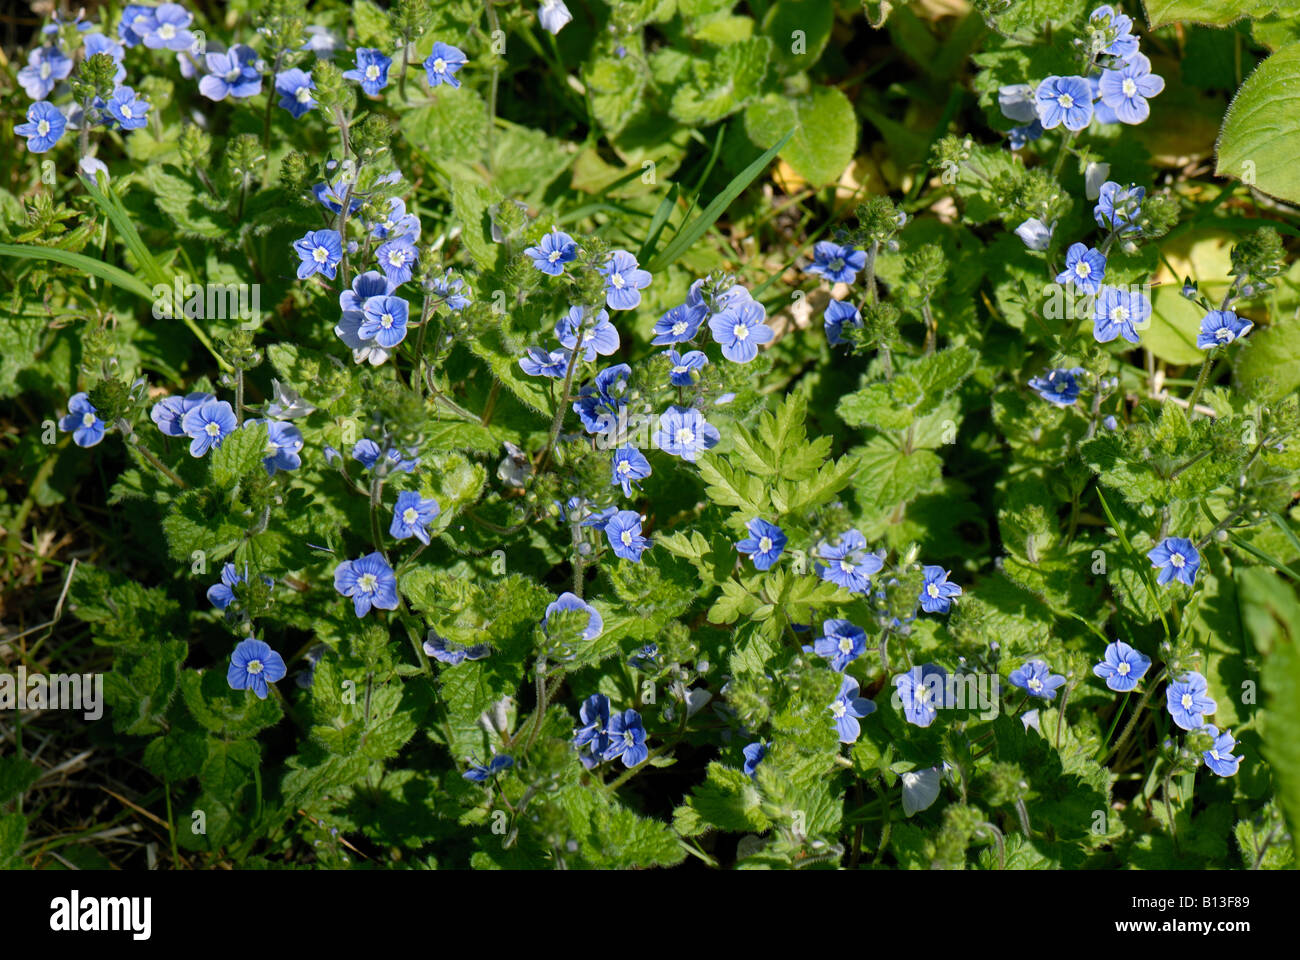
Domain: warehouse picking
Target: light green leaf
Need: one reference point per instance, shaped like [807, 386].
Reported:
[826, 132]
[1260, 138]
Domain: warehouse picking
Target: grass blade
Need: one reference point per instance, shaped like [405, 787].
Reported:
[709, 215]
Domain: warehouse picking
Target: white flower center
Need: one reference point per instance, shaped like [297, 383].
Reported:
[680, 369]
[320, 255]
[846, 567]
[87, 419]
[1215, 754]
[1066, 101]
[685, 436]
[846, 645]
[303, 94]
[45, 71]
[1119, 315]
[1035, 684]
[679, 328]
[1186, 701]
[212, 429]
[409, 515]
[741, 331]
[1223, 334]
[616, 281]
[1129, 87]
[764, 544]
[933, 590]
[838, 709]
[1177, 560]
[126, 111]
[386, 321]
[553, 256]
[1082, 270]
[166, 31]
[372, 72]
[43, 127]
[254, 666]
[368, 582]
[1123, 669]
[439, 65]
[626, 537]
[624, 467]
[396, 258]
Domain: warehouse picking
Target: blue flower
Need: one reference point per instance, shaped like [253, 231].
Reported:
[624, 280]
[385, 321]
[848, 708]
[169, 29]
[283, 443]
[847, 563]
[754, 754]
[598, 518]
[536, 362]
[936, 591]
[295, 87]
[838, 313]
[1219, 757]
[1220, 328]
[478, 773]
[740, 330]
[683, 432]
[626, 739]
[592, 738]
[412, 515]
[835, 263]
[570, 601]
[1060, 387]
[765, 543]
[628, 466]
[1064, 100]
[321, 251]
[397, 223]
[449, 287]
[353, 303]
[1126, 90]
[922, 690]
[169, 412]
[371, 70]
[1035, 677]
[1118, 207]
[1122, 667]
[83, 421]
[369, 581]
[1188, 701]
[1116, 314]
[253, 665]
[1177, 559]
[623, 530]
[366, 452]
[553, 15]
[221, 595]
[841, 643]
[452, 653]
[553, 252]
[127, 109]
[46, 66]
[396, 258]
[330, 195]
[207, 425]
[1125, 44]
[137, 20]
[598, 334]
[43, 128]
[1084, 267]
[920, 789]
[1035, 234]
[443, 62]
[680, 373]
[679, 325]
[1020, 137]
[232, 74]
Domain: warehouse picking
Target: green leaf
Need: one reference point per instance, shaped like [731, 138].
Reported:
[1260, 138]
[1270, 369]
[372, 26]
[722, 83]
[799, 30]
[825, 132]
[240, 453]
[96, 268]
[1215, 12]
